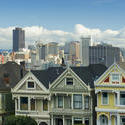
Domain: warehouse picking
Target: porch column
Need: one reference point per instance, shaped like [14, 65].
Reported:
[18, 102]
[83, 120]
[118, 119]
[63, 120]
[51, 119]
[83, 102]
[118, 98]
[29, 103]
[72, 102]
[110, 121]
[72, 120]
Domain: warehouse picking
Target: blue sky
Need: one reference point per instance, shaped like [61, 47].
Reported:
[63, 14]
[63, 20]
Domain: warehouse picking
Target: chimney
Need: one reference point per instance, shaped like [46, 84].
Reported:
[22, 68]
[63, 62]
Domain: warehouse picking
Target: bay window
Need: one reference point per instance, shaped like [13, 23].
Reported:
[60, 101]
[122, 98]
[77, 101]
[24, 103]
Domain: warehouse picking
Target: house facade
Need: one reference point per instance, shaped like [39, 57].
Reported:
[56, 96]
[110, 91]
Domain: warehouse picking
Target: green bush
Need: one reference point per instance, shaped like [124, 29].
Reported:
[19, 120]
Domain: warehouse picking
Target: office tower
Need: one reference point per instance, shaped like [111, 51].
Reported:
[105, 54]
[74, 50]
[52, 48]
[18, 39]
[84, 50]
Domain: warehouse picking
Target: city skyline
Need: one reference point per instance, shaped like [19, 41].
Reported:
[62, 21]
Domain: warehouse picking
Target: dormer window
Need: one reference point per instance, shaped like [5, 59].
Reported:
[30, 85]
[69, 81]
[115, 77]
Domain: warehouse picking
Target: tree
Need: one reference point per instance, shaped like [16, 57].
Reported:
[19, 120]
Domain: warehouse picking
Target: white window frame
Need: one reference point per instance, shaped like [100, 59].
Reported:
[116, 73]
[66, 81]
[27, 84]
[102, 98]
[115, 100]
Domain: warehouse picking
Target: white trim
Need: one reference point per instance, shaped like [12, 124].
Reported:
[63, 75]
[27, 84]
[113, 65]
[22, 81]
[110, 110]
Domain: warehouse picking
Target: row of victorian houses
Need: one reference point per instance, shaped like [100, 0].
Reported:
[92, 95]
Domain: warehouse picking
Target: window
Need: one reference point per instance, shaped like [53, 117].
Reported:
[86, 102]
[45, 105]
[78, 121]
[77, 101]
[31, 85]
[104, 98]
[24, 103]
[87, 121]
[32, 104]
[69, 81]
[122, 98]
[116, 99]
[60, 101]
[115, 77]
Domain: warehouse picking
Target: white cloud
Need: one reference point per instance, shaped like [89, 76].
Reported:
[34, 33]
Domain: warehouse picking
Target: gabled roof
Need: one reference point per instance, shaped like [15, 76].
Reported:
[86, 74]
[49, 75]
[13, 70]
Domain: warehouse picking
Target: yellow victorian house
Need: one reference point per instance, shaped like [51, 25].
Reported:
[110, 91]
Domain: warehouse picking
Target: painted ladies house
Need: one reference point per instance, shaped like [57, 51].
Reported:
[58, 95]
[110, 91]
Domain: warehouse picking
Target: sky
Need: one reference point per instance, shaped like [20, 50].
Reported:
[63, 20]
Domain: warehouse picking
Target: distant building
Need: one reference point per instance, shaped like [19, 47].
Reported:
[105, 54]
[84, 50]
[18, 39]
[74, 49]
[52, 48]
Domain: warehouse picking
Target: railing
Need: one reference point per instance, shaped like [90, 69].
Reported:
[27, 112]
[70, 111]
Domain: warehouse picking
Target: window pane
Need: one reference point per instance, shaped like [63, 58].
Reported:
[86, 102]
[77, 101]
[60, 101]
[69, 81]
[32, 103]
[115, 77]
[45, 105]
[122, 99]
[30, 84]
[105, 98]
[24, 103]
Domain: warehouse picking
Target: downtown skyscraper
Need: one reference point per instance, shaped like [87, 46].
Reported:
[18, 39]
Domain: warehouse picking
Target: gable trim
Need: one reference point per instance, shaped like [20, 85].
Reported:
[56, 82]
[21, 82]
[114, 64]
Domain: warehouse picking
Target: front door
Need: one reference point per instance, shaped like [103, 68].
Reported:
[59, 121]
[103, 120]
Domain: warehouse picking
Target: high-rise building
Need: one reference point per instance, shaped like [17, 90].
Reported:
[84, 50]
[52, 48]
[105, 54]
[18, 39]
[74, 49]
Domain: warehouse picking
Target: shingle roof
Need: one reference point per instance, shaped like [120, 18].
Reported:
[87, 74]
[47, 76]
